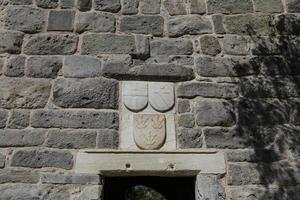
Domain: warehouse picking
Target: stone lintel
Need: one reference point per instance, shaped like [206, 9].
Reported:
[150, 163]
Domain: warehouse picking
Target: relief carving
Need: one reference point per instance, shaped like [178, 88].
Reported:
[135, 95]
[149, 131]
[161, 96]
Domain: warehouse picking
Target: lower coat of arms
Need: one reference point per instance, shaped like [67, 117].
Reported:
[149, 131]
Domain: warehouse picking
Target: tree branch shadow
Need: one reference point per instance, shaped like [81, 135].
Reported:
[269, 113]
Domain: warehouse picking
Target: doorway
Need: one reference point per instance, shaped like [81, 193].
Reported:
[149, 188]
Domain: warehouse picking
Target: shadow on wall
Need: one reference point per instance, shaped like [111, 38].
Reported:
[269, 112]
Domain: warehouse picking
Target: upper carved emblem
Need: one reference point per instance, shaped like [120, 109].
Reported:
[135, 95]
[161, 96]
[149, 131]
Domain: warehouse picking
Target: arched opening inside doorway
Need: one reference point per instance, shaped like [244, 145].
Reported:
[149, 188]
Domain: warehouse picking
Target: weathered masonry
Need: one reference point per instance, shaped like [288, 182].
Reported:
[193, 99]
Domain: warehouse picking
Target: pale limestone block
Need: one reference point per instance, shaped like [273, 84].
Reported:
[154, 163]
[135, 95]
[161, 96]
[126, 122]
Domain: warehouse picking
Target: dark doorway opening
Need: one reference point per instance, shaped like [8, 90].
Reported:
[149, 188]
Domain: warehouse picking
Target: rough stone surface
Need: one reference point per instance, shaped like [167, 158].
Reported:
[91, 193]
[175, 7]
[95, 22]
[210, 45]
[208, 187]
[24, 93]
[252, 173]
[232, 67]
[251, 155]
[223, 138]
[22, 18]
[70, 179]
[86, 93]
[19, 2]
[265, 45]
[249, 24]
[260, 192]
[157, 72]
[43, 66]
[198, 6]
[81, 67]
[11, 41]
[150, 6]
[47, 3]
[18, 176]
[108, 5]
[29, 191]
[2, 160]
[61, 20]
[218, 24]
[268, 87]
[20, 138]
[2, 64]
[18, 119]
[130, 7]
[183, 106]
[108, 44]
[171, 47]
[190, 138]
[293, 6]
[204, 89]
[66, 3]
[51, 44]
[107, 139]
[38, 158]
[142, 25]
[272, 6]
[236, 45]
[186, 120]
[142, 47]
[74, 119]
[84, 5]
[189, 25]
[182, 60]
[3, 118]
[229, 6]
[71, 139]
[214, 113]
[15, 66]
[267, 112]
[287, 24]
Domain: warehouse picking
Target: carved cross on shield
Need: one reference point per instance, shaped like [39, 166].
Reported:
[149, 131]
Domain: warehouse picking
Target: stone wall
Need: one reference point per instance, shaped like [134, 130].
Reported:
[235, 64]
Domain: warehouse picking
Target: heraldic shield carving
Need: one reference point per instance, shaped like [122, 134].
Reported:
[147, 115]
[149, 131]
[135, 95]
[161, 96]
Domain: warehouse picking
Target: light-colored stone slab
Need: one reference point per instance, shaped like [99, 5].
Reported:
[126, 132]
[126, 123]
[135, 95]
[152, 163]
[149, 130]
[161, 96]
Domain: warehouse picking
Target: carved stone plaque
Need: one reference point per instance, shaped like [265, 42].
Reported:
[135, 95]
[161, 96]
[149, 131]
